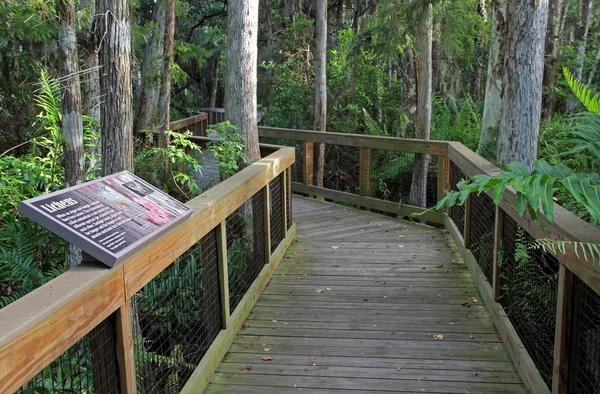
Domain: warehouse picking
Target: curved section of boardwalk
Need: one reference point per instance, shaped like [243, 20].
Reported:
[364, 303]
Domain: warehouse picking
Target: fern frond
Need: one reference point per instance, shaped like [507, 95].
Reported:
[583, 92]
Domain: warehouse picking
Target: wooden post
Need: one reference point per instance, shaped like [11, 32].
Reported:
[564, 311]
[289, 194]
[308, 163]
[467, 228]
[125, 355]
[283, 204]
[267, 224]
[442, 176]
[365, 172]
[498, 227]
[223, 273]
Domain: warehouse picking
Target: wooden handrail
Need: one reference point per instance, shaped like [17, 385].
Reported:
[39, 327]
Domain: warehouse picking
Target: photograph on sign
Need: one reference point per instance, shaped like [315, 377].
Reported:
[108, 217]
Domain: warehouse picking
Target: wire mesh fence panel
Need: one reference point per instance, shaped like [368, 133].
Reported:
[584, 355]
[457, 212]
[289, 198]
[298, 166]
[89, 366]
[176, 317]
[529, 279]
[432, 179]
[245, 247]
[342, 168]
[391, 175]
[277, 196]
[481, 232]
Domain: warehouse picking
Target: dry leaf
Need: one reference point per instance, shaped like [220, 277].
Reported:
[249, 367]
[471, 337]
[320, 290]
[438, 337]
[475, 300]
[496, 340]
[328, 288]
[267, 349]
[266, 358]
[466, 304]
[335, 247]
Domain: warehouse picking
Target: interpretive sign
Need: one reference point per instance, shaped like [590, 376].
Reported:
[107, 218]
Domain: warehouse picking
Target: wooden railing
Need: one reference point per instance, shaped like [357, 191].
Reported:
[87, 329]
[555, 345]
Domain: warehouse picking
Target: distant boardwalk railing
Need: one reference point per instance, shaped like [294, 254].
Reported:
[546, 306]
[162, 320]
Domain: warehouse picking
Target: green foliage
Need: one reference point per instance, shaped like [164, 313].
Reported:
[583, 92]
[456, 120]
[182, 156]
[228, 149]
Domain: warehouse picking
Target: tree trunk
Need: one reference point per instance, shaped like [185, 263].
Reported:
[418, 187]
[320, 88]
[551, 51]
[357, 8]
[214, 87]
[580, 39]
[152, 66]
[241, 67]
[524, 68]
[494, 87]
[72, 125]
[112, 34]
[164, 100]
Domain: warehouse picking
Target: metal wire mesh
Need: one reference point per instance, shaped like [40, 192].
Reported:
[245, 247]
[298, 166]
[584, 363]
[529, 292]
[392, 173]
[342, 168]
[176, 317]
[89, 366]
[289, 198]
[457, 213]
[481, 232]
[277, 213]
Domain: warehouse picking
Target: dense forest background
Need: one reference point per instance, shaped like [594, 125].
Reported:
[375, 65]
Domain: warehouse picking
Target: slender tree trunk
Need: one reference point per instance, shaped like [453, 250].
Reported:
[494, 88]
[72, 125]
[418, 187]
[357, 7]
[146, 114]
[594, 68]
[320, 88]
[580, 39]
[214, 87]
[164, 100]
[551, 50]
[112, 34]
[241, 67]
[524, 68]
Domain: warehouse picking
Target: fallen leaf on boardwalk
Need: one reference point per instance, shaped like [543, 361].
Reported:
[475, 300]
[496, 340]
[466, 304]
[274, 321]
[240, 337]
[294, 385]
[361, 341]
[266, 358]
[320, 290]
[306, 369]
[438, 337]
[471, 337]
[291, 291]
[328, 288]
[249, 367]
[267, 349]
[475, 374]
[335, 247]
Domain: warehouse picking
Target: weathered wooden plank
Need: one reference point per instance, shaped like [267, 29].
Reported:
[365, 172]
[358, 140]
[368, 202]
[390, 385]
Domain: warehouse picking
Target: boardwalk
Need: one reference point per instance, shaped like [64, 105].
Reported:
[364, 303]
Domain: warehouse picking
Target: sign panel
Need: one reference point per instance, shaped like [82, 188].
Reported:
[107, 218]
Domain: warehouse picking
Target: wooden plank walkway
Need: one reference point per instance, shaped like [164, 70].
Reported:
[359, 305]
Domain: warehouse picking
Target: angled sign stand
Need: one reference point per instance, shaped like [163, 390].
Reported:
[107, 218]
